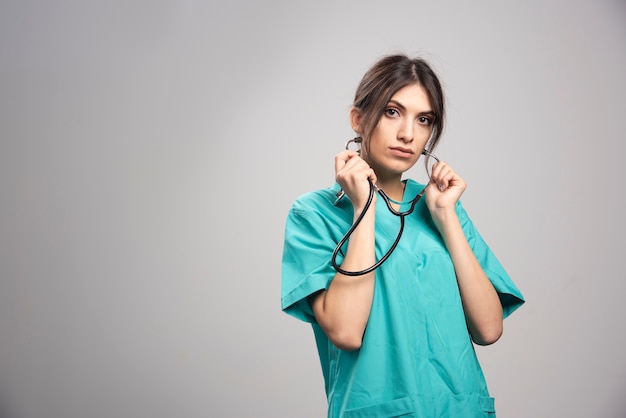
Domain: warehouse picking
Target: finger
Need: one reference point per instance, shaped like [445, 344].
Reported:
[342, 158]
[372, 176]
[354, 171]
[456, 181]
[437, 172]
[432, 188]
[354, 166]
[443, 175]
[437, 168]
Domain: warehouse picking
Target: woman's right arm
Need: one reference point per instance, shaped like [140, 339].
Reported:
[344, 308]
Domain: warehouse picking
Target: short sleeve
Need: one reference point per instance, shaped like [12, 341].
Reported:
[510, 296]
[306, 265]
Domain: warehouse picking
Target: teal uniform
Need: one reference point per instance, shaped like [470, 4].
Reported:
[416, 358]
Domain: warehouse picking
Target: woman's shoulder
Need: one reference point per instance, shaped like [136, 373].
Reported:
[317, 198]
[321, 207]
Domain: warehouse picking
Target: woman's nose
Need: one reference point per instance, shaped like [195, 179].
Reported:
[406, 132]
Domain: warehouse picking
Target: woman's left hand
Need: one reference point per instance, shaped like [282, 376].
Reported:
[444, 190]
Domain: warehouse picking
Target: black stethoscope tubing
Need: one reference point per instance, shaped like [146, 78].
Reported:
[356, 223]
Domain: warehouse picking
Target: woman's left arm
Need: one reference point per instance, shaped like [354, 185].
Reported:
[481, 303]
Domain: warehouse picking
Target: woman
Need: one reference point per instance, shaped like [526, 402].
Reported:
[396, 341]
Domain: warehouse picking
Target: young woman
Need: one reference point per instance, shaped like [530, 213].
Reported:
[396, 340]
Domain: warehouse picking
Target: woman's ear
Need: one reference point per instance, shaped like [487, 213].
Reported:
[355, 120]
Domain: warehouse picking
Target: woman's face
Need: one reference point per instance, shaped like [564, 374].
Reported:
[401, 133]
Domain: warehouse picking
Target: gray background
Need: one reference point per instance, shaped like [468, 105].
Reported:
[150, 151]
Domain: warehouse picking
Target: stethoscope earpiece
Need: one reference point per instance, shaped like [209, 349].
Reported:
[356, 140]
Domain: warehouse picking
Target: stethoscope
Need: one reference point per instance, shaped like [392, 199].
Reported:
[373, 188]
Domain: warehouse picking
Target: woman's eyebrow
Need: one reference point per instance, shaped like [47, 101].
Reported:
[402, 107]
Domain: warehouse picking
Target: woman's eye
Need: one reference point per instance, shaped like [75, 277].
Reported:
[391, 112]
[425, 120]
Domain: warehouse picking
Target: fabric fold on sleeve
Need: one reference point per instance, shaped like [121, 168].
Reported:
[306, 266]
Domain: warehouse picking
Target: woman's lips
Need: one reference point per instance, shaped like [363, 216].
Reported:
[402, 152]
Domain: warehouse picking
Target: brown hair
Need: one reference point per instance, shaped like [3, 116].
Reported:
[388, 75]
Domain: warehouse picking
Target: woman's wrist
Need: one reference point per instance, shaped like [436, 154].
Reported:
[446, 219]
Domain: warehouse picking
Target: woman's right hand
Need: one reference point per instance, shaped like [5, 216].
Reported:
[343, 309]
[354, 175]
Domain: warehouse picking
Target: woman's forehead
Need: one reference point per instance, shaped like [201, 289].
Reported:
[412, 97]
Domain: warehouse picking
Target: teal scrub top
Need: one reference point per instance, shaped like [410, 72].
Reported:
[416, 358]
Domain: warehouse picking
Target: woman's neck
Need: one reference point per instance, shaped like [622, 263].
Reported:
[393, 187]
